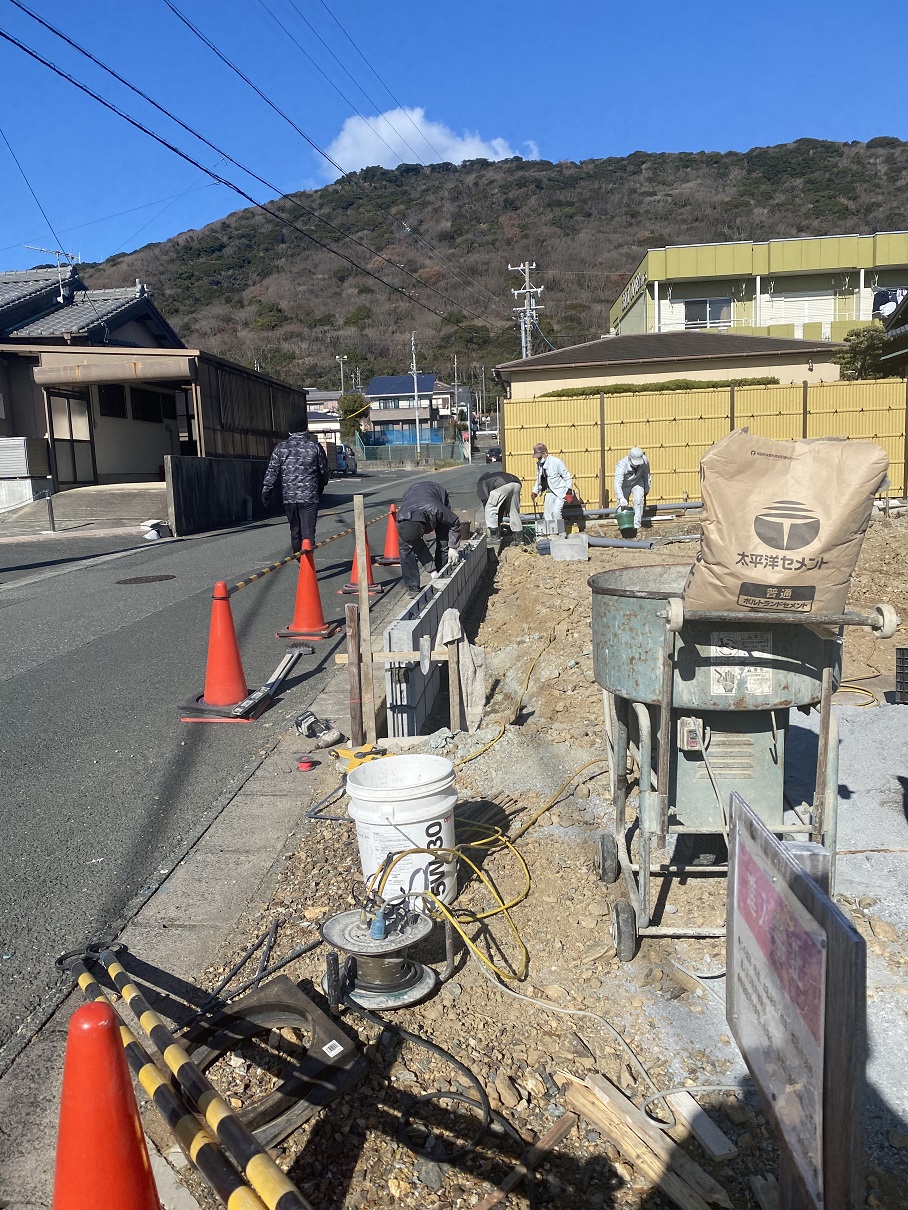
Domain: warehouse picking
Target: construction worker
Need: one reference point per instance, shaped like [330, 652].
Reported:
[498, 490]
[302, 468]
[554, 479]
[632, 478]
[425, 507]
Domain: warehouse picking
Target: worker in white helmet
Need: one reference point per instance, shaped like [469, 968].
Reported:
[632, 478]
[553, 482]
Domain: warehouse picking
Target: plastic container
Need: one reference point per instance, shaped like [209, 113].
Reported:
[404, 802]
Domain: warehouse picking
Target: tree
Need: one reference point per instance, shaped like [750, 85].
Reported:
[353, 407]
[863, 350]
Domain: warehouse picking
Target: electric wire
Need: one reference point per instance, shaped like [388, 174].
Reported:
[225, 156]
[194, 29]
[39, 58]
[50, 226]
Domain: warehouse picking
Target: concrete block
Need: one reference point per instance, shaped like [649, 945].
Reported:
[569, 548]
[410, 693]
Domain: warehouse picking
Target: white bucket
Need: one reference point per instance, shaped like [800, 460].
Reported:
[406, 802]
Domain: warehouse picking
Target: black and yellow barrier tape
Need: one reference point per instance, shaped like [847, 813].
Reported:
[272, 1184]
[197, 1142]
[264, 571]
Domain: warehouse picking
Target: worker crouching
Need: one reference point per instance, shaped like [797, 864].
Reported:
[425, 508]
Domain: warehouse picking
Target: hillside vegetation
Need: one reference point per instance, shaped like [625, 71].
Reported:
[252, 289]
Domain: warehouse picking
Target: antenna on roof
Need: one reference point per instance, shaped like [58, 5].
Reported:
[71, 258]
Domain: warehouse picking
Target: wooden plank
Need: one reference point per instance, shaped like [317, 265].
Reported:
[399, 657]
[365, 623]
[651, 1166]
[454, 713]
[716, 1144]
[766, 1191]
[537, 1152]
[679, 1160]
[357, 735]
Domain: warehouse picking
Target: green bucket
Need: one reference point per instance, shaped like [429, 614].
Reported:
[625, 518]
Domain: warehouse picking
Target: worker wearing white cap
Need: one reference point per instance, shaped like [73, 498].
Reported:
[632, 476]
[552, 478]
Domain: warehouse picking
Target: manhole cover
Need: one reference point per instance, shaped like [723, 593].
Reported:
[146, 579]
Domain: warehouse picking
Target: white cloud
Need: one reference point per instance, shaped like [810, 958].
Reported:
[407, 136]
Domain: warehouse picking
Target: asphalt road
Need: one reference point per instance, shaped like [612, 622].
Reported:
[102, 785]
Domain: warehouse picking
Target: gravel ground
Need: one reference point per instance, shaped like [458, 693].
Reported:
[666, 1006]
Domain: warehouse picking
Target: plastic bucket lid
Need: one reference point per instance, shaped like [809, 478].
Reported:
[393, 778]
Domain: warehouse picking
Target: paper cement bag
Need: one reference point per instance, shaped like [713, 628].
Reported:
[783, 522]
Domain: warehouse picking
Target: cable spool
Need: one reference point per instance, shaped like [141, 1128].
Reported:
[381, 975]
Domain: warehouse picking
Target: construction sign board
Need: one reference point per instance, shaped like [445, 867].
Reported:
[796, 1003]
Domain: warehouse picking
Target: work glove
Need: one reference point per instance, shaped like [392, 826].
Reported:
[622, 503]
[533, 495]
[453, 557]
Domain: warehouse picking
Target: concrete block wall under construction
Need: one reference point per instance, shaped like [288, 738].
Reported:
[410, 693]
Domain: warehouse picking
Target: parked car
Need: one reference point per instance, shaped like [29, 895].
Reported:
[493, 454]
[340, 460]
[350, 459]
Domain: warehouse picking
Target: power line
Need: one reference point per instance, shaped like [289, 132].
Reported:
[325, 75]
[58, 251]
[277, 109]
[226, 156]
[378, 77]
[33, 54]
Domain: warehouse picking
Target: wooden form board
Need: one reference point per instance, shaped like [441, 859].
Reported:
[796, 993]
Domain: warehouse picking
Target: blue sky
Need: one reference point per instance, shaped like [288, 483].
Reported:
[564, 81]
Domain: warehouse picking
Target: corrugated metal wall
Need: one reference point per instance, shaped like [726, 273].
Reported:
[676, 427]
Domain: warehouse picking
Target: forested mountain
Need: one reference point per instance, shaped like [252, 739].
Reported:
[254, 289]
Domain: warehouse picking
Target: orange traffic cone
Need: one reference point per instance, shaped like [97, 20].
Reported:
[308, 618]
[225, 681]
[391, 555]
[374, 589]
[101, 1155]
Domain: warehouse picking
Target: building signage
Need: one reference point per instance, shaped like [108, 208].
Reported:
[634, 286]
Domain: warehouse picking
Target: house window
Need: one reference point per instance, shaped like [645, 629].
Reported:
[112, 400]
[707, 312]
[153, 406]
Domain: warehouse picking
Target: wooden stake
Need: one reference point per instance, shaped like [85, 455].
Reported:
[365, 624]
[650, 1166]
[716, 1144]
[456, 717]
[354, 666]
[537, 1152]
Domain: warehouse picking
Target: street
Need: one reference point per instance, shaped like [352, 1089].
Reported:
[103, 785]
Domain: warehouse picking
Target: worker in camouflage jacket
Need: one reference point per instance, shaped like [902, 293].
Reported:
[302, 468]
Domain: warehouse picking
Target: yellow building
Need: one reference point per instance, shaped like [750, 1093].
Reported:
[815, 288]
[657, 357]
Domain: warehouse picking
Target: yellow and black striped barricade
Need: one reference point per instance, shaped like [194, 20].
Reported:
[195, 1139]
[273, 1185]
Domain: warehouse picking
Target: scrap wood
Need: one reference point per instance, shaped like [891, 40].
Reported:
[696, 1120]
[537, 1152]
[650, 1165]
[679, 1160]
[766, 1191]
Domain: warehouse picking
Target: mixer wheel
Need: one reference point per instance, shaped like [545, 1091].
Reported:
[607, 866]
[624, 930]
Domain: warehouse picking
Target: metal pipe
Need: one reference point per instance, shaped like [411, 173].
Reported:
[632, 543]
[253, 1160]
[681, 506]
[665, 731]
[831, 838]
[644, 799]
[196, 1141]
[819, 797]
[654, 930]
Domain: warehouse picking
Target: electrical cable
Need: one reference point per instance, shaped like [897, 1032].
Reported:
[50, 227]
[488, 1115]
[33, 54]
[277, 109]
[225, 156]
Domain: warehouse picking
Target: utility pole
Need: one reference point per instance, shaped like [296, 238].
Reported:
[415, 389]
[527, 312]
[340, 358]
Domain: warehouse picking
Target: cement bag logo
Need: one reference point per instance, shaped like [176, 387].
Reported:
[787, 525]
